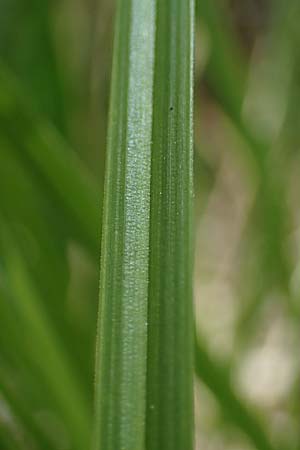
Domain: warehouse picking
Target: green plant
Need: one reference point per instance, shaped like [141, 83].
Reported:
[146, 270]
[54, 90]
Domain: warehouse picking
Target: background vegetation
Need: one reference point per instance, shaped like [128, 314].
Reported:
[55, 65]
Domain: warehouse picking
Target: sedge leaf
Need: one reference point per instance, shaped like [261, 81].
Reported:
[141, 284]
[170, 360]
[122, 338]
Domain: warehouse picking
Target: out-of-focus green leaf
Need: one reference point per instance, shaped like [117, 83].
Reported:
[226, 69]
[42, 347]
[50, 162]
[58, 201]
[20, 416]
[226, 74]
[27, 47]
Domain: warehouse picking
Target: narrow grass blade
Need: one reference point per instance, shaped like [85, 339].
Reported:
[35, 41]
[8, 440]
[41, 346]
[22, 418]
[226, 70]
[55, 168]
[226, 75]
[122, 338]
[80, 200]
[170, 344]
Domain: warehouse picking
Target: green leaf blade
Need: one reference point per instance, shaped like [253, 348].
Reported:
[170, 342]
[144, 368]
[121, 361]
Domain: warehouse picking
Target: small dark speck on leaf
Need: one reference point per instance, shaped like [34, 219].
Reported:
[171, 108]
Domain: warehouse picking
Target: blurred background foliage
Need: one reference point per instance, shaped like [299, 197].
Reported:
[55, 62]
